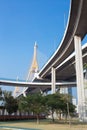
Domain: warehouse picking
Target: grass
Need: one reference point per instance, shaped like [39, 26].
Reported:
[44, 125]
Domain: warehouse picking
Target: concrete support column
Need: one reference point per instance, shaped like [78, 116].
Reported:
[53, 80]
[79, 77]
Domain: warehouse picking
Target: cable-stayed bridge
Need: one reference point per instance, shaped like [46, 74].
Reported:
[66, 64]
[38, 84]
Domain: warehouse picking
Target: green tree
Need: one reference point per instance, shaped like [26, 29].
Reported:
[68, 108]
[23, 104]
[1, 94]
[39, 104]
[1, 101]
[61, 103]
[33, 103]
[53, 102]
[85, 68]
[10, 103]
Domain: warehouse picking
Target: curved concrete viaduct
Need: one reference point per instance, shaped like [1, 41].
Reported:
[66, 70]
[77, 25]
[74, 34]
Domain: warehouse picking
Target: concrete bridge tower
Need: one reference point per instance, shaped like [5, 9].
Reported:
[33, 71]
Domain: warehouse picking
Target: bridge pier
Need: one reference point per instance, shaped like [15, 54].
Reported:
[53, 80]
[79, 78]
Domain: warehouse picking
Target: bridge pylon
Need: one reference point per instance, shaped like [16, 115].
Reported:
[33, 71]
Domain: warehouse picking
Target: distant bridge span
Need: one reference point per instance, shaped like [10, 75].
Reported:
[33, 84]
